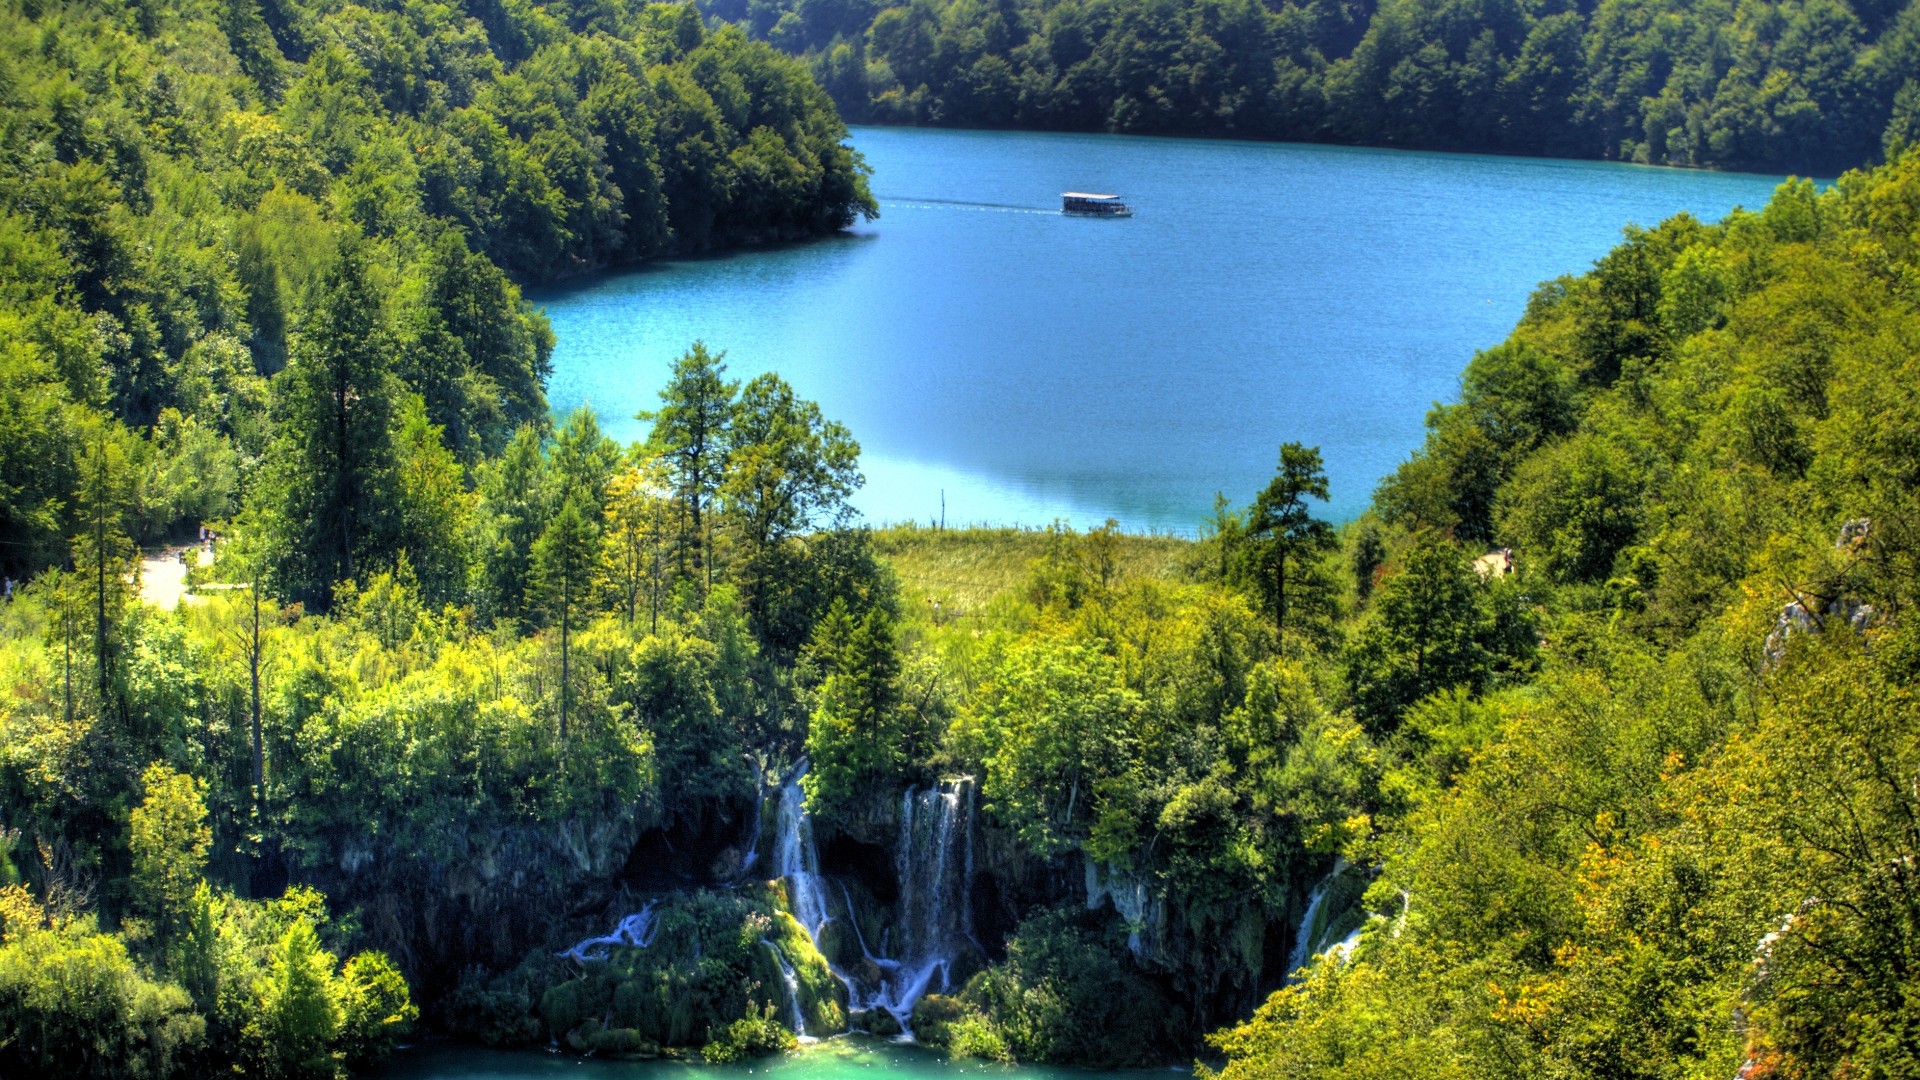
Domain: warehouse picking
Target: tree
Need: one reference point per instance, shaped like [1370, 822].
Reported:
[859, 734]
[376, 1008]
[245, 555]
[1051, 724]
[583, 459]
[102, 552]
[74, 1004]
[692, 435]
[1572, 506]
[1424, 633]
[515, 501]
[634, 537]
[1281, 535]
[330, 471]
[789, 470]
[432, 503]
[169, 837]
[297, 1012]
[1221, 535]
[564, 561]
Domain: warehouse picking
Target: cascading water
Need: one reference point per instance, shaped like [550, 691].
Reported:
[934, 919]
[795, 857]
[796, 1017]
[1310, 938]
[635, 931]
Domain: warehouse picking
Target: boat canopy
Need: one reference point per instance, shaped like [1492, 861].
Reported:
[1085, 195]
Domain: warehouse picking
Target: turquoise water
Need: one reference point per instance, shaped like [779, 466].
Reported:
[1032, 366]
[847, 1058]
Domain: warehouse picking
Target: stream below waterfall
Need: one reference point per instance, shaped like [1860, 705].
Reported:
[843, 1058]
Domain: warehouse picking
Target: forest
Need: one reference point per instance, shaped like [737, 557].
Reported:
[1807, 86]
[1589, 749]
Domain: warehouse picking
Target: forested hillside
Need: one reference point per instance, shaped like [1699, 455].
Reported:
[1809, 86]
[260, 269]
[1684, 847]
[185, 191]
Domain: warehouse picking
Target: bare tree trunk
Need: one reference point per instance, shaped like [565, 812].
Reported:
[1280, 603]
[66, 623]
[100, 588]
[259, 742]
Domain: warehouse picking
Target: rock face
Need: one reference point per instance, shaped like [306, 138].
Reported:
[1214, 957]
[1812, 614]
[681, 970]
[866, 921]
[1139, 905]
[489, 896]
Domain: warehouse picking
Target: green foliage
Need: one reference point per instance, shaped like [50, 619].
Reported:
[261, 264]
[1668, 849]
[1051, 721]
[1066, 993]
[1430, 627]
[1282, 539]
[747, 1038]
[73, 1003]
[862, 734]
[1572, 508]
[298, 1017]
[377, 1009]
[332, 467]
[1775, 85]
[691, 434]
[169, 840]
[709, 980]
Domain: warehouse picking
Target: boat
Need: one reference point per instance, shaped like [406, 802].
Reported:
[1084, 204]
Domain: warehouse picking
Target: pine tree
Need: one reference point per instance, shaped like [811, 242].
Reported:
[330, 472]
[564, 561]
[1281, 534]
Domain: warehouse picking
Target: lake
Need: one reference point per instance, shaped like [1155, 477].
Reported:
[1025, 366]
[845, 1058]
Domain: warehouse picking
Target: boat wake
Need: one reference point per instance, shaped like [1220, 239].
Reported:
[961, 204]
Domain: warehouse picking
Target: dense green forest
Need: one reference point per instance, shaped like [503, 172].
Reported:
[1684, 845]
[463, 686]
[1810, 86]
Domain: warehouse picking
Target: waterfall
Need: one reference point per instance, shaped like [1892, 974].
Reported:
[634, 931]
[1311, 932]
[796, 1017]
[933, 875]
[795, 857]
[933, 919]
[1340, 950]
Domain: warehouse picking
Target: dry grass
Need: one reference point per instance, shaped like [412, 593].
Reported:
[964, 569]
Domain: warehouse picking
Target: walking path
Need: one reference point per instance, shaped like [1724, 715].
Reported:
[163, 578]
